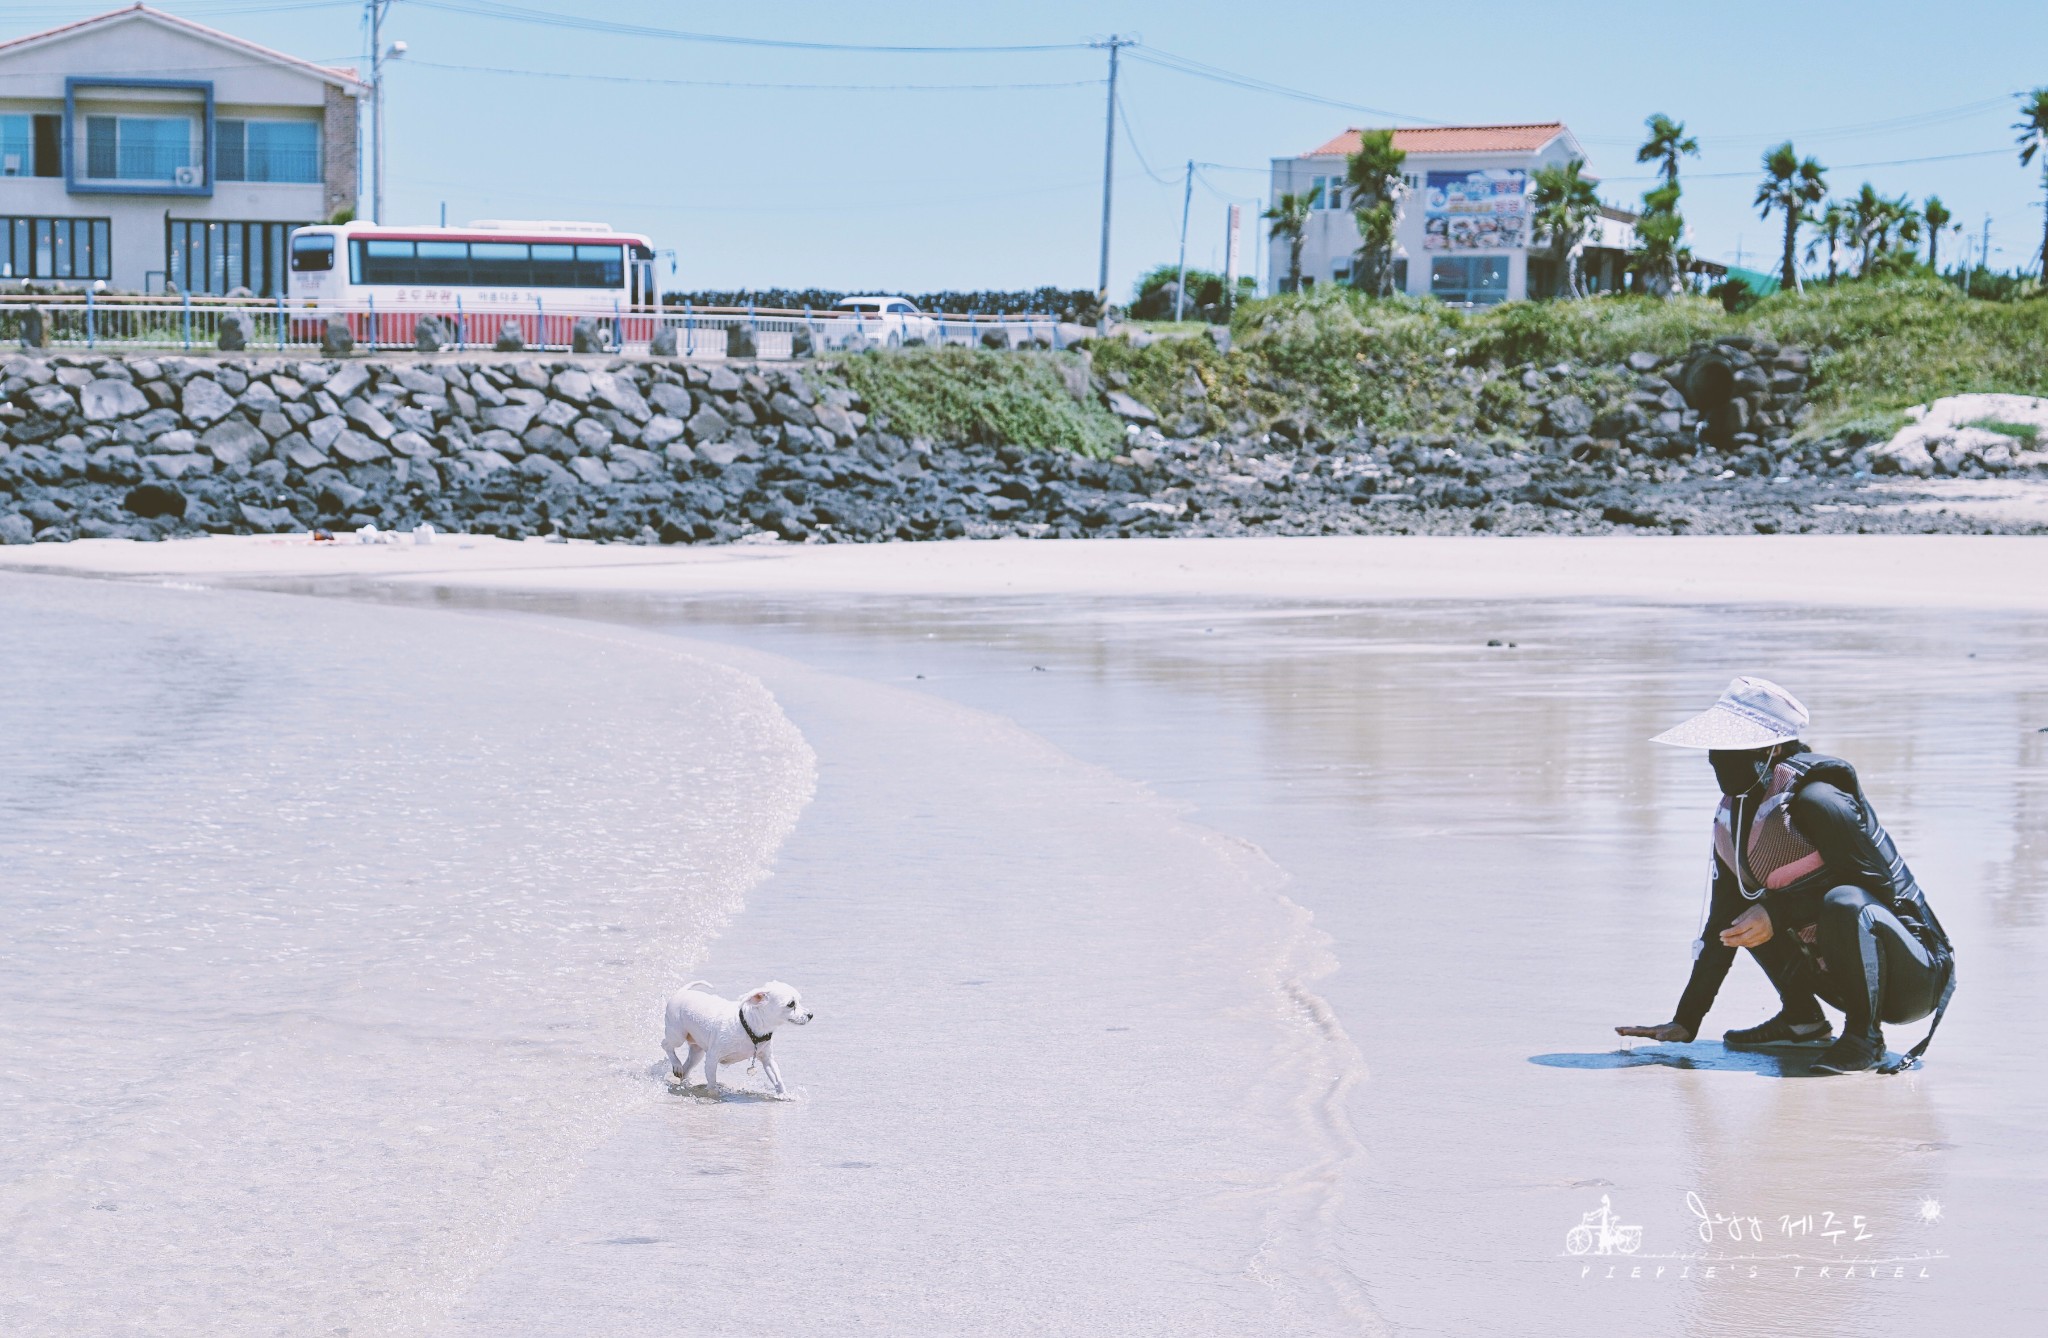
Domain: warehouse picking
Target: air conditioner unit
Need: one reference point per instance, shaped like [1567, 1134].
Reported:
[11, 165]
[188, 176]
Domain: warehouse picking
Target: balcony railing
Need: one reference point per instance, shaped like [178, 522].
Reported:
[301, 166]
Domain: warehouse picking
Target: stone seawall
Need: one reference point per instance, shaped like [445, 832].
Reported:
[609, 448]
[668, 451]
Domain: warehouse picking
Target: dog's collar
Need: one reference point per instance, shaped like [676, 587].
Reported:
[757, 1040]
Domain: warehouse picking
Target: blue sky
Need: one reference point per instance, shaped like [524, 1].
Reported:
[994, 178]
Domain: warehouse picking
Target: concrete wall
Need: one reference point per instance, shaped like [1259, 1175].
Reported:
[245, 86]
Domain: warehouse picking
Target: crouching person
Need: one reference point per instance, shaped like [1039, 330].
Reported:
[1806, 879]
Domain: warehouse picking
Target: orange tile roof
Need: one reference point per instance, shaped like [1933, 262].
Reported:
[1525, 138]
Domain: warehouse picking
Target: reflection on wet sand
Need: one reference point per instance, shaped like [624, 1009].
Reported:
[1508, 870]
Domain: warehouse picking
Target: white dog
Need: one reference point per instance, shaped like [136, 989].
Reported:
[722, 1031]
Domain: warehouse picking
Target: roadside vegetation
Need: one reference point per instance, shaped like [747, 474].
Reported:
[1341, 359]
[1023, 399]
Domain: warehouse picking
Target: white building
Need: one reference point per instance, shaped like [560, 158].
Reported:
[146, 150]
[1463, 234]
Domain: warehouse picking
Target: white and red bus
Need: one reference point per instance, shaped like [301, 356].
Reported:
[543, 275]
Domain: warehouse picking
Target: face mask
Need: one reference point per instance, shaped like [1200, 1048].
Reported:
[1740, 772]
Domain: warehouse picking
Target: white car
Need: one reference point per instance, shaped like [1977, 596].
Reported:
[890, 321]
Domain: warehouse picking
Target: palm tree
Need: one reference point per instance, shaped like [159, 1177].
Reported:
[1659, 228]
[1937, 215]
[1666, 144]
[1866, 222]
[1374, 175]
[1790, 184]
[1658, 252]
[2033, 139]
[1289, 217]
[1907, 220]
[1833, 224]
[1562, 202]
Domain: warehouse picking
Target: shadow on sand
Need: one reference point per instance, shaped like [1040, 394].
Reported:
[1767, 1063]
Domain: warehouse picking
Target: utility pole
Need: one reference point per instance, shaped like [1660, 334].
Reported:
[1115, 43]
[375, 10]
[1187, 195]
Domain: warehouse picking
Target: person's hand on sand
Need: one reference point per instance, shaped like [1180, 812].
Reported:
[1749, 929]
[1663, 1031]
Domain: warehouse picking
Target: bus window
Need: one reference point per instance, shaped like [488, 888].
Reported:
[312, 253]
[380, 261]
[505, 263]
[443, 262]
[554, 265]
[600, 267]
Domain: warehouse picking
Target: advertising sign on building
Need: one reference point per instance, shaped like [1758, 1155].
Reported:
[1483, 210]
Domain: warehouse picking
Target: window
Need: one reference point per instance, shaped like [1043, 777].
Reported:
[267, 150]
[17, 146]
[554, 265]
[31, 146]
[313, 254]
[441, 262]
[205, 256]
[488, 264]
[49, 134]
[1478, 281]
[137, 148]
[600, 266]
[1332, 191]
[1341, 272]
[500, 264]
[1401, 275]
[55, 248]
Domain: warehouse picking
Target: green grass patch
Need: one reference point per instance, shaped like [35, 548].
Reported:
[2027, 432]
[994, 398]
[1412, 364]
[1889, 344]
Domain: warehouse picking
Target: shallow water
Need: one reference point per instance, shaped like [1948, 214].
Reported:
[1507, 870]
[330, 936]
[1068, 1074]
[1082, 1063]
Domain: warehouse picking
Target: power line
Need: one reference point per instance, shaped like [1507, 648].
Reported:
[1909, 121]
[1131, 138]
[728, 83]
[552, 19]
[1838, 167]
[1166, 60]
[894, 203]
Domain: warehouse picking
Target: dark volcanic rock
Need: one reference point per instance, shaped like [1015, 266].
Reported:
[150, 500]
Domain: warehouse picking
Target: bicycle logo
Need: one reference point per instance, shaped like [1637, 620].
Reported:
[1601, 1232]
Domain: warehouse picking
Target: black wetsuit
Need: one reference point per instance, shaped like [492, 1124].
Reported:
[1859, 933]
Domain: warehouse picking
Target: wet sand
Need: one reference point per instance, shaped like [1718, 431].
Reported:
[1503, 867]
[1901, 571]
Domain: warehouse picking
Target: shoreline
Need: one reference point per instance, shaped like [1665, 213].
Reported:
[1961, 572]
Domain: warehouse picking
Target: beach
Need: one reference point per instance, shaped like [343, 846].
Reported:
[1205, 935]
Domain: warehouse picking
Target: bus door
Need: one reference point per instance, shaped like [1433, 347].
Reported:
[642, 278]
